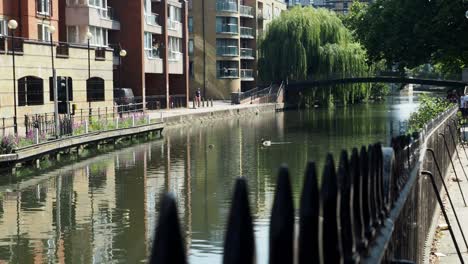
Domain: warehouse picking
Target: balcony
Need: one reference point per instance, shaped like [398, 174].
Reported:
[247, 32]
[152, 23]
[175, 28]
[263, 16]
[93, 16]
[247, 75]
[153, 65]
[247, 54]
[228, 51]
[246, 11]
[227, 29]
[228, 73]
[226, 6]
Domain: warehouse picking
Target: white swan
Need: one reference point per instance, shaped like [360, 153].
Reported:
[266, 143]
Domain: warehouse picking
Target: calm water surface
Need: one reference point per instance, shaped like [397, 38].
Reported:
[104, 209]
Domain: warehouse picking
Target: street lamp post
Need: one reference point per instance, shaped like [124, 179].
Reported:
[89, 36]
[122, 54]
[51, 30]
[12, 25]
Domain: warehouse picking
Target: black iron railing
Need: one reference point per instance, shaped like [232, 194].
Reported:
[374, 207]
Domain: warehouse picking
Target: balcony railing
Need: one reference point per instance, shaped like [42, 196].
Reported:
[227, 51]
[247, 74]
[247, 53]
[172, 24]
[246, 11]
[246, 32]
[227, 29]
[152, 19]
[174, 55]
[263, 15]
[152, 54]
[228, 73]
[226, 6]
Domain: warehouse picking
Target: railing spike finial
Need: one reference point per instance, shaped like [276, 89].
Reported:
[282, 221]
[239, 245]
[168, 246]
[346, 210]
[329, 230]
[309, 216]
[355, 173]
[373, 186]
[381, 211]
[366, 197]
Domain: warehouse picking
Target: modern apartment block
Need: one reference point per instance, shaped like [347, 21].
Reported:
[223, 43]
[32, 67]
[152, 32]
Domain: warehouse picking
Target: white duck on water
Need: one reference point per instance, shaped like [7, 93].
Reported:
[266, 143]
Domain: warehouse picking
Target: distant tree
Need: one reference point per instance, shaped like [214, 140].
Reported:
[409, 33]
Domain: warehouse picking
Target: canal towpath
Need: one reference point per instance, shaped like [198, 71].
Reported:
[443, 250]
[220, 109]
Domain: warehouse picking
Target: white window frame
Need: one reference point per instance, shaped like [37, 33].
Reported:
[3, 27]
[42, 28]
[175, 48]
[77, 34]
[44, 7]
[100, 36]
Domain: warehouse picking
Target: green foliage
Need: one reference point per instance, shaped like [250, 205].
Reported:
[411, 33]
[429, 108]
[8, 144]
[308, 43]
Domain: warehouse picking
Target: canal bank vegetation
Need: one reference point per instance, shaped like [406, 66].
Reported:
[429, 108]
[313, 44]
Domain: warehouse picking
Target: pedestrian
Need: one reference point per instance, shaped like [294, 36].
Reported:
[198, 97]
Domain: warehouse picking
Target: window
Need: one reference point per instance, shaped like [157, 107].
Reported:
[43, 7]
[227, 25]
[72, 34]
[227, 47]
[43, 32]
[3, 27]
[227, 69]
[175, 48]
[174, 13]
[99, 36]
[151, 52]
[30, 91]
[191, 70]
[190, 24]
[98, 3]
[95, 89]
[190, 47]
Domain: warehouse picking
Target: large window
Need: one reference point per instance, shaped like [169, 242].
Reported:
[73, 34]
[151, 51]
[190, 24]
[43, 7]
[30, 91]
[3, 27]
[175, 13]
[227, 69]
[227, 47]
[43, 32]
[190, 47]
[175, 48]
[99, 36]
[95, 88]
[227, 25]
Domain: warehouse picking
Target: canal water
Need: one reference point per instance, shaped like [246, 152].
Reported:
[104, 209]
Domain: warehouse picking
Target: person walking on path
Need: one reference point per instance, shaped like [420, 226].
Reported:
[198, 97]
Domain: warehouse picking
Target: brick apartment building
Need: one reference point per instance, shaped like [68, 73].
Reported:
[153, 33]
[223, 43]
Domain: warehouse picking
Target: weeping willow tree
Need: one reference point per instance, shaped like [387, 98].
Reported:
[308, 43]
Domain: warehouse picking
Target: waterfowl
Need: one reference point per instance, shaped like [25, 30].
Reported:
[266, 143]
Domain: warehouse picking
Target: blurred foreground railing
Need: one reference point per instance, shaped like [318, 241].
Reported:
[374, 207]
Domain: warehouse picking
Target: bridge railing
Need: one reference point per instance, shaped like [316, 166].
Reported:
[374, 207]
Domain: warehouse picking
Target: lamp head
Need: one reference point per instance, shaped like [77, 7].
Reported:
[89, 35]
[123, 53]
[51, 29]
[466, 14]
[12, 24]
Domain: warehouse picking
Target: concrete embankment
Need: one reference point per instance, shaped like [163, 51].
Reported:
[218, 111]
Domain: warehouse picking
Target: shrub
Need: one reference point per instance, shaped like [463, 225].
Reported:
[429, 108]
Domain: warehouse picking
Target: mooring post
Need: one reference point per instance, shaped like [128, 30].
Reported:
[148, 120]
[194, 103]
[448, 194]
[442, 207]
[133, 120]
[36, 136]
[86, 127]
[117, 122]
